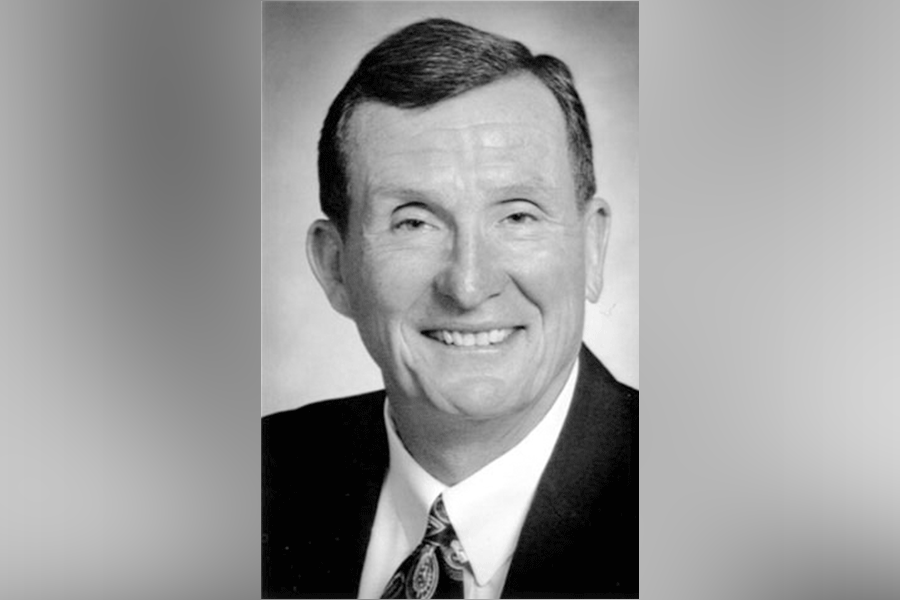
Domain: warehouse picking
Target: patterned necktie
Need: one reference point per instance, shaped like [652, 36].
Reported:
[435, 568]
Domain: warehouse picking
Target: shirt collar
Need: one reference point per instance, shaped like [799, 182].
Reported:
[489, 507]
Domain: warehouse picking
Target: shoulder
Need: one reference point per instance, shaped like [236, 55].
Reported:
[338, 411]
[607, 394]
[318, 446]
[321, 424]
[603, 421]
[322, 467]
[321, 436]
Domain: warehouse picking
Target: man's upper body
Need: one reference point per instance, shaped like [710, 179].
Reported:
[487, 509]
[463, 238]
[326, 470]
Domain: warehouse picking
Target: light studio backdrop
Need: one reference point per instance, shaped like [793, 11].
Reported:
[309, 352]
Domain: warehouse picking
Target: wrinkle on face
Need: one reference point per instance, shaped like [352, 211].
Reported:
[466, 165]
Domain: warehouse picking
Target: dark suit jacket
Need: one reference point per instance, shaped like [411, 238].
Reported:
[324, 464]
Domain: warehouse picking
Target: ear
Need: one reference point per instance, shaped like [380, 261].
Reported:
[324, 249]
[597, 217]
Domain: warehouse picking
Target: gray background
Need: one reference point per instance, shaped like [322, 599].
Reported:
[309, 352]
[129, 355]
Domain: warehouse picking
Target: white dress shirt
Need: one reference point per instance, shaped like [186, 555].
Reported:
[487, 509]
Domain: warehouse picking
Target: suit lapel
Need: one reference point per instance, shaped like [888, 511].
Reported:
[580, 534]
[347, 542]
[322, 491]
[356, 500]
[580, 495]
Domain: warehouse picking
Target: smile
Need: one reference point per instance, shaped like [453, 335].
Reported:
[470, 338]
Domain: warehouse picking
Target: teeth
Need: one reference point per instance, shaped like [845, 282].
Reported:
[468, 339]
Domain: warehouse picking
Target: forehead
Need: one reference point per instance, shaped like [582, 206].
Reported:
[507, 130]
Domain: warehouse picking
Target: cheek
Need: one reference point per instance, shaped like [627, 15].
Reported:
[554, 279]
[385, 285]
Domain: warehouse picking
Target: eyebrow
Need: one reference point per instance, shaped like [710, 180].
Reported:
[406, 194]
[529, 186]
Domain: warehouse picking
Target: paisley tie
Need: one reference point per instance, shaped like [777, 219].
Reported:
[435, 568]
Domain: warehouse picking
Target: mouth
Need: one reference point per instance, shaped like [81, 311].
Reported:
[474, 339]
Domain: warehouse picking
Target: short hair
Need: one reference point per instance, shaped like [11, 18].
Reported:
[434, 60]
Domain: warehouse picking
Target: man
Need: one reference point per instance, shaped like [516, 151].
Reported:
[463, 236]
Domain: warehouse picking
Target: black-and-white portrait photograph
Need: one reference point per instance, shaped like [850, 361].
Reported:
[432, 211]
[450, 303]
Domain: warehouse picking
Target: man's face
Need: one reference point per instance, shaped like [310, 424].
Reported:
[465, 261]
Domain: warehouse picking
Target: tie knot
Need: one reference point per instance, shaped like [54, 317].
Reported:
[440, 532]
[435, 568]
[438, 519]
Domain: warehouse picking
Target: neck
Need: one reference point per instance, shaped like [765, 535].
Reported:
[452, 448]
[451, 453]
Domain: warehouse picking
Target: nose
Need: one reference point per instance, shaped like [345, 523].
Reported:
[473, 272]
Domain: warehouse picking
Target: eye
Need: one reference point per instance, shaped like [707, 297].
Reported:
[521, 218]
[412, 217]
[409, 225]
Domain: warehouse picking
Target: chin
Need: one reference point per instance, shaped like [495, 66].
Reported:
[481, 399]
